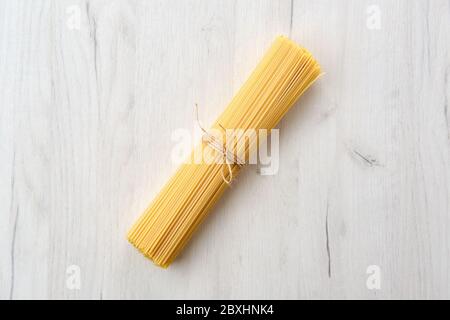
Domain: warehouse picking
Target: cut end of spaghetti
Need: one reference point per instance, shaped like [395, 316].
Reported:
[146, 254]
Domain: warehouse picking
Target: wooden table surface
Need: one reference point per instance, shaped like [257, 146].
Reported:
[91, 92]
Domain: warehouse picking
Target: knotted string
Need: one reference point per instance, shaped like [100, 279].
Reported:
[228, 156]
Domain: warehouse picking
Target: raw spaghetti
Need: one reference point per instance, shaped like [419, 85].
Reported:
[282, 76]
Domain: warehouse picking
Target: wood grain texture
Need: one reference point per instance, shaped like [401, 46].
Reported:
[86, 117]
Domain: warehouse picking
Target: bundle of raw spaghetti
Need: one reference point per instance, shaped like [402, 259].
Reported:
[285, 72]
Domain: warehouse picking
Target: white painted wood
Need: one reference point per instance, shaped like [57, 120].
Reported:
[87, 112]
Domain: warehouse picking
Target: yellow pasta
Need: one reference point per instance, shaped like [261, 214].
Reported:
[282, 76]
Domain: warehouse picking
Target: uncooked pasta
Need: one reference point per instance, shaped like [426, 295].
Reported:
[165, 227]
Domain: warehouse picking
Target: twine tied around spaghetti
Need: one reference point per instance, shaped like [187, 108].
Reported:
[222, 149]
